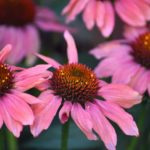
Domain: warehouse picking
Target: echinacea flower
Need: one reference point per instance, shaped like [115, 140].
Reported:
[76, 88]
[101, 13]
[127, 60]
[19, 20]
[15, 110]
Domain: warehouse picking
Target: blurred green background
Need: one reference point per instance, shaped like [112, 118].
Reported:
[53, 45]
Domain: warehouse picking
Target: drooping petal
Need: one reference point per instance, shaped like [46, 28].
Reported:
[64, 113]
[140, 80]
[71, 48]
[18, 109]
[4, 52]
[50, 61]
[44, 118]
[118, 115]
[82, 119]
[120, 94]
[100, 13]
[129, 12]
[1, 119]
[26, 97]
[74, 8]
[109, 21]
[109, 49]
[33, 71]
[16, 37]
[14, 126]
[88, 17]
[32, 44]
[124, 73]
[102, 126]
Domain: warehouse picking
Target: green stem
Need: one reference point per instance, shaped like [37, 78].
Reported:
[2, 141]
[11, 141]
[140, 125]
[64, 136]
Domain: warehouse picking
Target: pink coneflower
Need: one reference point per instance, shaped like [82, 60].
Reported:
[101, 13]
[76, 88]
[19, 20]
[14, 103]
[127, 60]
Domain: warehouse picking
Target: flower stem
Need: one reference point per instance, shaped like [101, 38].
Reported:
[140, 125]
[2, 141]
[64, 136]
[11, 141]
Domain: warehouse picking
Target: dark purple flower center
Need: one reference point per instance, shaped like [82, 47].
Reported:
[6, 79]
[16, 12]
[141, 49]
[75, 82]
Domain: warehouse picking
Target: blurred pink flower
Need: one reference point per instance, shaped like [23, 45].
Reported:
[18, 26]
[101, 13]
[15, 110]
[127, 60]
[76, 87]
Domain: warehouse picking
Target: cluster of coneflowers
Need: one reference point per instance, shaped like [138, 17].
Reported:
[73, 88]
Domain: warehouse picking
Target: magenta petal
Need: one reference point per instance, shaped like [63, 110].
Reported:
[64, 113]
[82, 119]
[71, 48]
[18, 109]
[14, 126]
[4, 52]
[44, 118]
[118, 115]
[102, 126]
[120, 94]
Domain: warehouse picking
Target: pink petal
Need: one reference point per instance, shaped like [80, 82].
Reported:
[26, 97]
[15, 36]
[118, 115]
[144, 8]
[140, 80]
[64, 113]
[88, 17]
[4, 52]
[45, 98]
[102, 126]
[109, 21]
[125, 73]
[83, 121]
[149, 88]
[109, 49]
[74, 8]
[18, 109]
[106, 68]
[100, 15]
[130, 13]
[120, 94]
[33, 71]
[44, 118]
[50, 61]
[1, 119]
[132, 33]
[32, 44]
[14, 126]
[71, 48]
